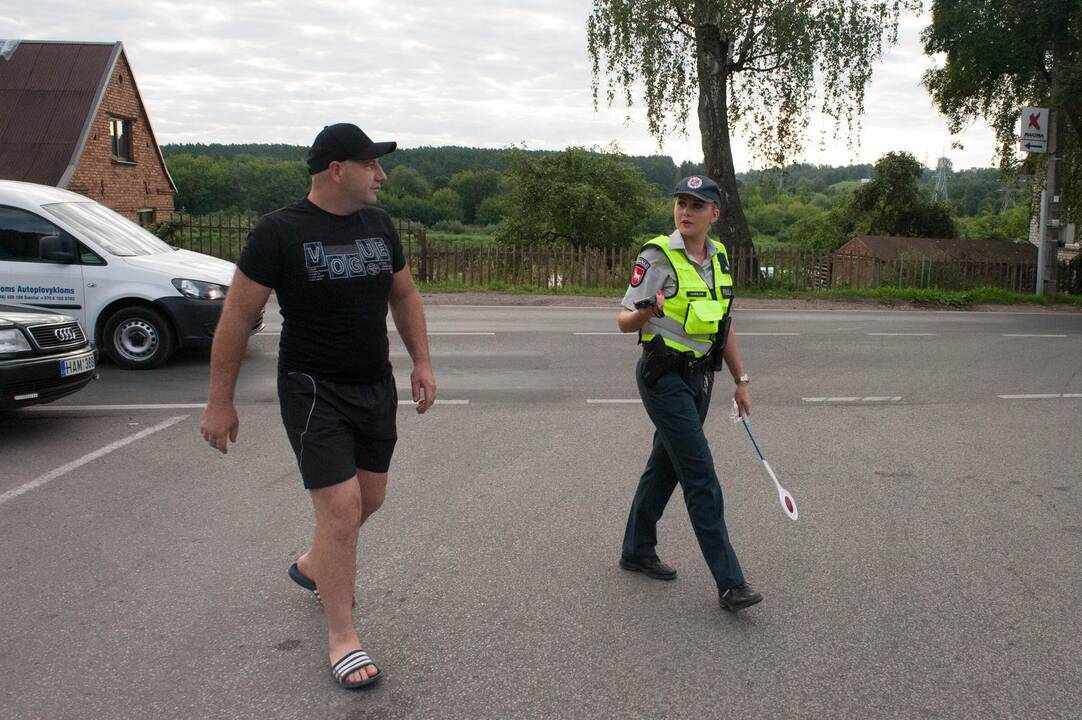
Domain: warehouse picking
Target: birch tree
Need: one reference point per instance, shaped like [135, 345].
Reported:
[757, 66]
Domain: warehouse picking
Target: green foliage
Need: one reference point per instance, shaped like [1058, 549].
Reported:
[404, 180]
[771, 55]
[448, 233]
[659, 219]
[577, 197]
[999, 56]
[776, 217]
[757, 65]
[410, 207]
[207, 185]
[217, 151]
[203, 185]
[823, 234]
[493, 209]
[1012, 224]
[474, 187]
[264, 185]
[892, 203]
[447, 204]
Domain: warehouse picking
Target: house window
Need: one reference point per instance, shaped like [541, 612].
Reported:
[145, 216]
[120, 134]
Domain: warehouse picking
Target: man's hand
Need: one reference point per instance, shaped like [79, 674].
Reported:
[220, 425]
[424, 386]
[742, 398]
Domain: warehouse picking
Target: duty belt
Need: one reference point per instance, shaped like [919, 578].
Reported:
[660, 359]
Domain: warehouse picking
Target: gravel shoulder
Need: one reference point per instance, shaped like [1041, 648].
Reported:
[496, 298]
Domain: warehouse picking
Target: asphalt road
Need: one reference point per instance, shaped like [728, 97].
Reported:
[934, 571]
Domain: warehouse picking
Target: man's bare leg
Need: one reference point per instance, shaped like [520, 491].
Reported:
[332, 561]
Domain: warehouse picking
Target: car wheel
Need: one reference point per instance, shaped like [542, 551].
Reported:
[138, 338]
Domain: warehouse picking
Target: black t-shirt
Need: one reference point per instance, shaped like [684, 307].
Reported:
[332, 274]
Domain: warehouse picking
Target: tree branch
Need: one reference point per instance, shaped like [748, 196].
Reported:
[772, 68]
[753, 58]
[749, 39]
[677, 28]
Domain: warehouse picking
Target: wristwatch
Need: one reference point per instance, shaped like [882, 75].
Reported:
[743, 379]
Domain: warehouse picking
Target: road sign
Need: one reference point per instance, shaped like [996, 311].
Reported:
[1033, 130]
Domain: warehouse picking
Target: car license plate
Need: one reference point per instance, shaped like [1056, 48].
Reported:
[76, 365]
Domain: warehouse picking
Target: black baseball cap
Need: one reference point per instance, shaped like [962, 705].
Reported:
[344, 141]
[701, 187]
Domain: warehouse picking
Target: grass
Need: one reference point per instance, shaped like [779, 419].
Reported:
[921, 296]
[505, 287]
[885, 296]
[442, 238]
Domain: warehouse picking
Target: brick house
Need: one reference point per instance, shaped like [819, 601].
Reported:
[71, 116]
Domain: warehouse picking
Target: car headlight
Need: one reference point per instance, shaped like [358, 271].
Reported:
[13, 341]
[199, 289]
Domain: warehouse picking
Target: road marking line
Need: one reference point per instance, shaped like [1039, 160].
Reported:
[1033, 335]
[766, 334]
[612, 402]
[1041, 396]
[65, 469]
[460, 333]
[869, 399]
[270, 332]
[901, 334]
[167, 406]
[616, 332]
[407, 392]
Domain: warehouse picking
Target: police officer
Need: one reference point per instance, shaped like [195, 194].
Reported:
[678, 301]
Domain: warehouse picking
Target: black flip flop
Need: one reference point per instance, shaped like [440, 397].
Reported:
[304, 581]
[307, 583]
[352, 662]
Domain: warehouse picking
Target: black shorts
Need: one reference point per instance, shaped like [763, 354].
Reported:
[337, 428]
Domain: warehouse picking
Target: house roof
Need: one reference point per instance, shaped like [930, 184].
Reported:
[890, 248]
[50, 93]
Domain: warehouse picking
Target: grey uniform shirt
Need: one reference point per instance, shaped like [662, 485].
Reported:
[654, 272]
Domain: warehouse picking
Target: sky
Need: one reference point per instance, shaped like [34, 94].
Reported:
[477, 73]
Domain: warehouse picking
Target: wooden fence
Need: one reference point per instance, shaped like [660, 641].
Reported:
[552, 268]
[549, 267]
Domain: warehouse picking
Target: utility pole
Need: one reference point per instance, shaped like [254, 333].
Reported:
[1039, 133]
[1048, 250]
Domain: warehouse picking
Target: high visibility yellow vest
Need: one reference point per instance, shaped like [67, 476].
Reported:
[695, 313]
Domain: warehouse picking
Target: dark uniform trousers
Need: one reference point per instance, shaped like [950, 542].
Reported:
[677, 405]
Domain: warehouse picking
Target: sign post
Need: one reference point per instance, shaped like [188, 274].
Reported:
[1037, 134]
[1033, 130]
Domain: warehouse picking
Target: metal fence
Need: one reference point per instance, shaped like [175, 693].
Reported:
[224, 236]
[548, 267]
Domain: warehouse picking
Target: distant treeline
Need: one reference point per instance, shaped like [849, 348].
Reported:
[436, 164]
[454, 188]
[969, 192]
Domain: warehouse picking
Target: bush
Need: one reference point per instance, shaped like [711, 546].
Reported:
[454, 227]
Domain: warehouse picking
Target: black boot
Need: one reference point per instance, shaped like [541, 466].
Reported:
[651, 567]
[738, 598]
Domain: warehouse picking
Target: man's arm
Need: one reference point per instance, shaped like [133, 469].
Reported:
[408, 314]
[731, 353]
[243, 304]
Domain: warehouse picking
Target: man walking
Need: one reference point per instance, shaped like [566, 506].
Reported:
[336, 264]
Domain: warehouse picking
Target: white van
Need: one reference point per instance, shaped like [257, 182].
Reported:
[140, 297]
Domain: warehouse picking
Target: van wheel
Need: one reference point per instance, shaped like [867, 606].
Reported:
[138, 338]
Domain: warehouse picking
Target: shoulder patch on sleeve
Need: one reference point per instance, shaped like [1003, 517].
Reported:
[641, 266]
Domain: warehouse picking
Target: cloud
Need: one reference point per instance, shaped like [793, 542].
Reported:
[485, 73]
